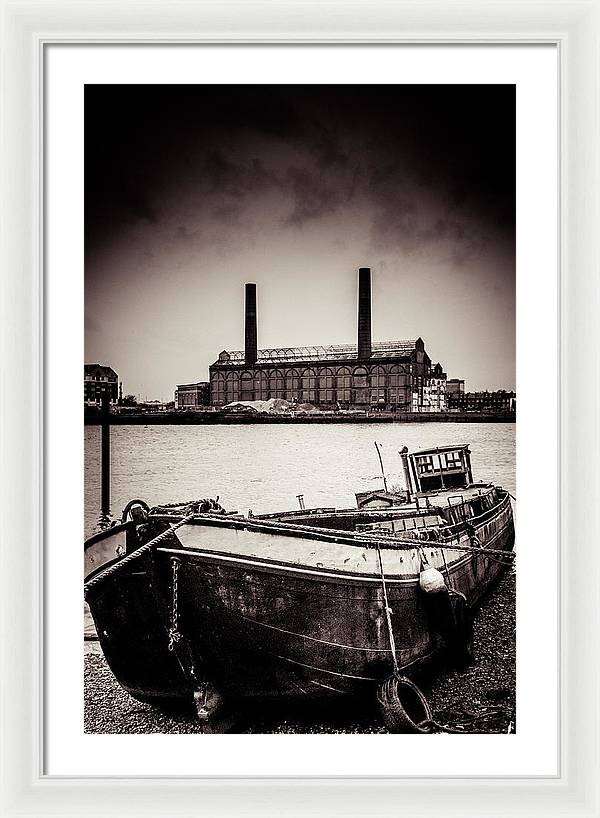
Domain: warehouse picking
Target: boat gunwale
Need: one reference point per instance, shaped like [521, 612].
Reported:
[128, 528]
[277, 566]
[107, 532]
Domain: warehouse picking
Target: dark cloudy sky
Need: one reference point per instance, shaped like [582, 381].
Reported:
[192, 190]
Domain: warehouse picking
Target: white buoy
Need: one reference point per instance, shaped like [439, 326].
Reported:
[431, 580]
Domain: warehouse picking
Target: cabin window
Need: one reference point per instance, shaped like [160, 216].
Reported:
[453, 460]
[425, 465]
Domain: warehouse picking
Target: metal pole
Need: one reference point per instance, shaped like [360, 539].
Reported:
[381, 464]
[105, 454]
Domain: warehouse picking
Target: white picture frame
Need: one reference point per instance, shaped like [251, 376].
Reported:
[574, 26]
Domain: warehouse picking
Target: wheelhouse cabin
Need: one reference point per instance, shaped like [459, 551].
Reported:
[439, 469]
[440, 494]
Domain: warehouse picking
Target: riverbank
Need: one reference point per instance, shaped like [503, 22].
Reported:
[93, 417]
[489, 681]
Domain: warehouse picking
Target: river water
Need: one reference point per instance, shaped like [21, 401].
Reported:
[263, 467]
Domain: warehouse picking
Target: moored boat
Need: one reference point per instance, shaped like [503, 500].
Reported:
[307, 603]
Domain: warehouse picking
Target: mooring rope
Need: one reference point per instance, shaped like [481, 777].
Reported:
[117, 566]
[404, 707]
[488, 719]
[388, 613]
[436, 545]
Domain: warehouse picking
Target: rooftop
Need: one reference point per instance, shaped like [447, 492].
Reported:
[439, 449]
[194, 385]
[380, 349]
[100, 370]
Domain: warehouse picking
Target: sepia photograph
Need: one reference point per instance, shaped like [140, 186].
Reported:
[300, 409]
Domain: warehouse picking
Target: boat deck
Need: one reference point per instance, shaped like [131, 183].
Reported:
[290, 539]
[309, 553]
[468, 493]
[441, 499]
[418, 505]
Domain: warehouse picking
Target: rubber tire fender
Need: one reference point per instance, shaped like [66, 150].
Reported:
[404, 709]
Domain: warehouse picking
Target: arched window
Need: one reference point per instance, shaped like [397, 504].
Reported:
[232, 387]
[247, 386]
[277, 384]
[378, 386]
[397, 377]
[360, 385]
[359, 377]
[344, 385]
[393, 375]
[227, 383]
[378, 377]
[308, 386]
[326, 386]
[217, 389]
[292, 385]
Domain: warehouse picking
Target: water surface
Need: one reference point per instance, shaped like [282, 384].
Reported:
[263, 467]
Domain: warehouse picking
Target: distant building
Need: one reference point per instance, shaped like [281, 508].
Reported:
[152, 406]
[499, 401]
[99, 380]
[434, 391]
[192, 395]
[454, 386]
[390, 375]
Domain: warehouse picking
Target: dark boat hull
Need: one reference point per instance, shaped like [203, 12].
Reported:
[259, 630]
[131, 624]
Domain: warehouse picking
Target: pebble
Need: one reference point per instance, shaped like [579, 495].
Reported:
[488, 683]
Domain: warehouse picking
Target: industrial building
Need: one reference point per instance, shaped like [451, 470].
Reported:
[192, 395]
[499, 402]
[455, 387]
[390, 375]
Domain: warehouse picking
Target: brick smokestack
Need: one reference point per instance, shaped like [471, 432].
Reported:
[364, 313]
[250, 349]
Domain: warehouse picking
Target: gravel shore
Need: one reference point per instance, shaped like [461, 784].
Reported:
[486, 686]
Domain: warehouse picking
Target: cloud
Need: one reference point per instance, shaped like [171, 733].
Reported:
[312, 198]
[326, 148]
[419, 169]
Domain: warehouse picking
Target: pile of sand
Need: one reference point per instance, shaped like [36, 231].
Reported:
[271, 406]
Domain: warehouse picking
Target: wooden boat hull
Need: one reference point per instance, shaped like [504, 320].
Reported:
[132, 625]
[261, 628]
